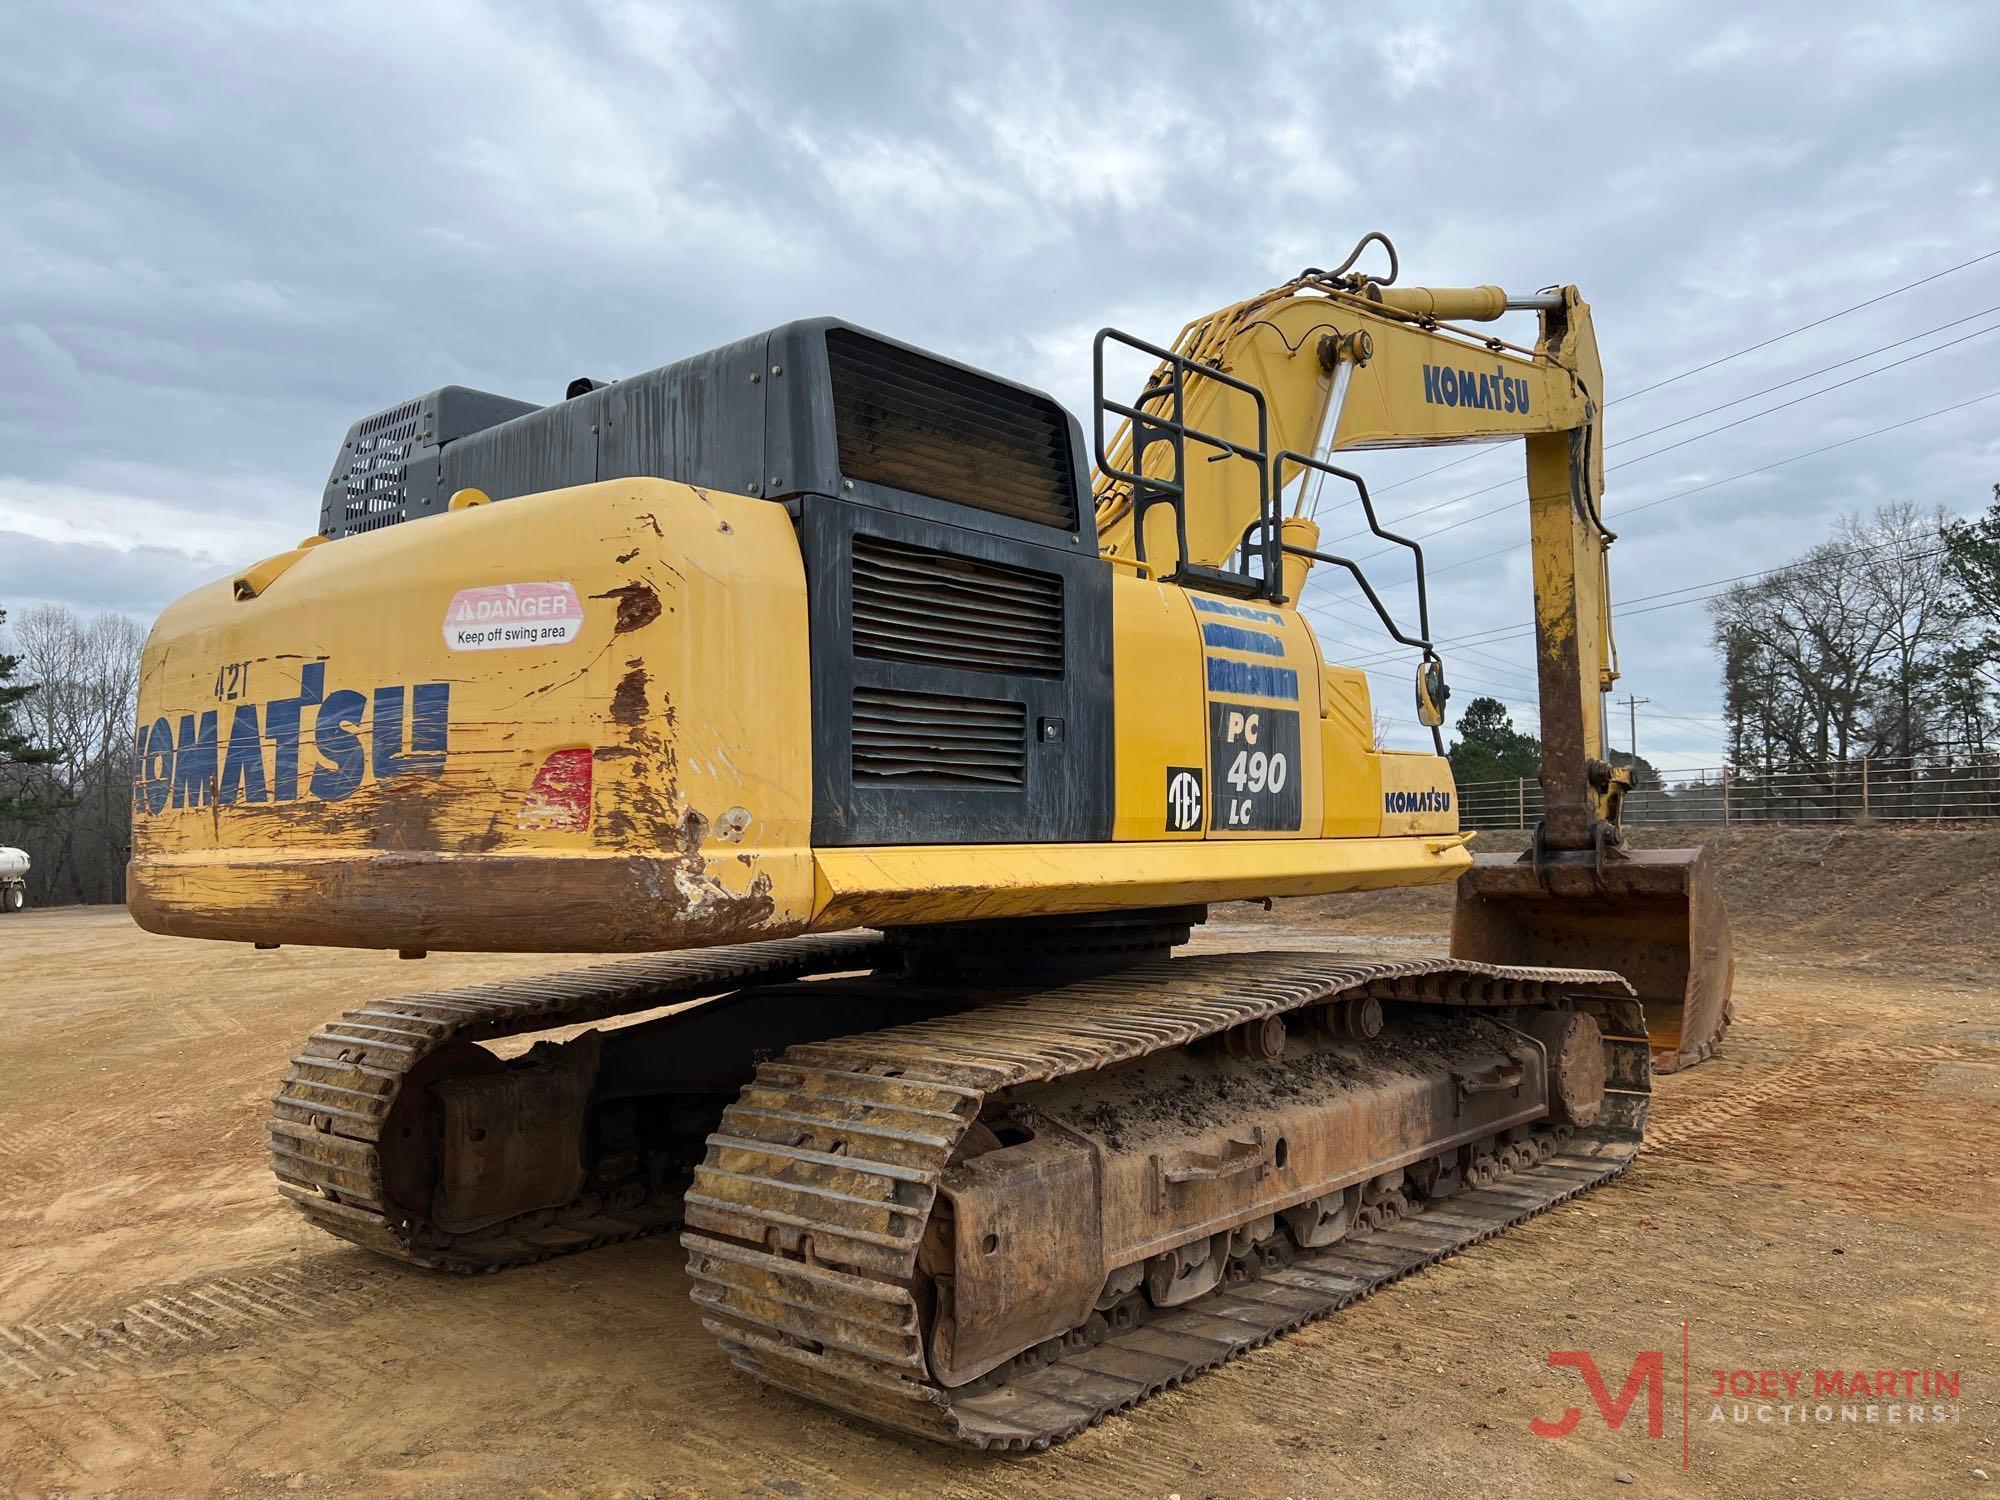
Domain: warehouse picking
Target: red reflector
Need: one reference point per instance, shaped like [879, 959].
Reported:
[559, 799]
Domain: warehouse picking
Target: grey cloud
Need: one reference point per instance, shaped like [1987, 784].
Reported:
[90, 578]
[232, 230]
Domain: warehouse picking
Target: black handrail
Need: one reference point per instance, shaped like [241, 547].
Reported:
[1263, 539]
[1171, 427]
[1422, 640]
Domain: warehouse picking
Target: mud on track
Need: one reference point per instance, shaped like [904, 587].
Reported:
[1823, 1195]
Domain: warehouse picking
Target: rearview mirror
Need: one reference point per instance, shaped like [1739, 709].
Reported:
[1432, 694]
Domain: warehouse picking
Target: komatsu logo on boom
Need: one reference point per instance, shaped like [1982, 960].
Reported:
[197, 764]
[1499, 391]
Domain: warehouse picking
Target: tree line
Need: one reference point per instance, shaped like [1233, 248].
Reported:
[1883, 642]
[69, 694]
[1876, 643]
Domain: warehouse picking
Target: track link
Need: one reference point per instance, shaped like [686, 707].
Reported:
[805, 1219]
[329, 1113]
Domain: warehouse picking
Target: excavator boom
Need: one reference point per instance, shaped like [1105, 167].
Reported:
[1389, 368]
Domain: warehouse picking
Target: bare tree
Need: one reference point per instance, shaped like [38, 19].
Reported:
[1902, 562]
[87, 676]
[1844, 652]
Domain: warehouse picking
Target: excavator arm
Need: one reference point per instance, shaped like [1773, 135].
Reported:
[1218, 475]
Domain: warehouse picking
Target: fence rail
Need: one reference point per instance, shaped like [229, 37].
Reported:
[1899, 789]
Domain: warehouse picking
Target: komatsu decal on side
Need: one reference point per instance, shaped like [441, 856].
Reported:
[1429, 801]
[197, 765]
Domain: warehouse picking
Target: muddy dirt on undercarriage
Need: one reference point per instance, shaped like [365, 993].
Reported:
[1821, 1197]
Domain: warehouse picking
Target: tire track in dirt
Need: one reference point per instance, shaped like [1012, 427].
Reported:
[1689, 1120]
[171, 1322]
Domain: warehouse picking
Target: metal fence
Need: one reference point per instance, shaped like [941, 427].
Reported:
[1899, 789]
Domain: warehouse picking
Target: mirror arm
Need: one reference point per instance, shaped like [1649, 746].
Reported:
[1388, 624]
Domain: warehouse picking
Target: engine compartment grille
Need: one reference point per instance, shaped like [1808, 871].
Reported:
[373, 493]
[917, 604]
[938, 739]
[917, 424]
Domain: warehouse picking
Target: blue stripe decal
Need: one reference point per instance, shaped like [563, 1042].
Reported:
[1233, 638]
[1235, 611]
[1252, 679]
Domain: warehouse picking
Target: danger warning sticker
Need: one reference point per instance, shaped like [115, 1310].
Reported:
[509, 616]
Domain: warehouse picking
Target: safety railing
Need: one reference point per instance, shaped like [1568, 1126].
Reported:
[1159, 419]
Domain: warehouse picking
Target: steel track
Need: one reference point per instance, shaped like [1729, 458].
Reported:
[803, 1258]
[328, 1115]
[805, 1218]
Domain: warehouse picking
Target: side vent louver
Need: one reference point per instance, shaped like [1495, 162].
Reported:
[938, 739]
[919, 605]
[921, 425]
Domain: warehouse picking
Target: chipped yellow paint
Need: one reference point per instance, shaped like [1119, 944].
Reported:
[1273, 342]
[1418, 794]
[686, 681]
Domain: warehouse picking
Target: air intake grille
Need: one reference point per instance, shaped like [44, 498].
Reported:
[935, 739]
[373, 493]
[915, 604]
[917, 424]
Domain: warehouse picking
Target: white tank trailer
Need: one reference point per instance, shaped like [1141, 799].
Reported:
[13, 879]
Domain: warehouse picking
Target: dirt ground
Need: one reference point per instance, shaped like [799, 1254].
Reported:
[1821, 1196]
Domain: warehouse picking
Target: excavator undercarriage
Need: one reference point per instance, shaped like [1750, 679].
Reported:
[989, 1213]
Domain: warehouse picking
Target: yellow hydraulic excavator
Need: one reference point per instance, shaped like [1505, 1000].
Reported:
[817, 670]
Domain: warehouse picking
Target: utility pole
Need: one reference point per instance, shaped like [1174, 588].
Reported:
[1632, 708]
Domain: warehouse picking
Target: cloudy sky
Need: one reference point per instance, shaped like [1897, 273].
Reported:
[226, 231]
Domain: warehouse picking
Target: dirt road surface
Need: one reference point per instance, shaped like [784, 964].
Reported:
[1821, 1197]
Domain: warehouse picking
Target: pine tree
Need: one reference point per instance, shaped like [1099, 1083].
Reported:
[1490, 748]
[1973, 561]
[16, 748]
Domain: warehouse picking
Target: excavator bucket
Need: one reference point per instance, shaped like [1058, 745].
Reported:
[1653, 915]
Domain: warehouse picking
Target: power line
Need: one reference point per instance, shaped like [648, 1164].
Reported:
[1701, 720]
[1520, 632]
[1803, 327]
[1669, 447]
[1373, 661]
[1747, 473]
[1808, 396]
[1517, 630]
[1373, 652]
[1486, 452]
[1513, 632]
[1822, 370]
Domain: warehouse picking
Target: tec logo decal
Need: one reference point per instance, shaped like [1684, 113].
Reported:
[1184, 800]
